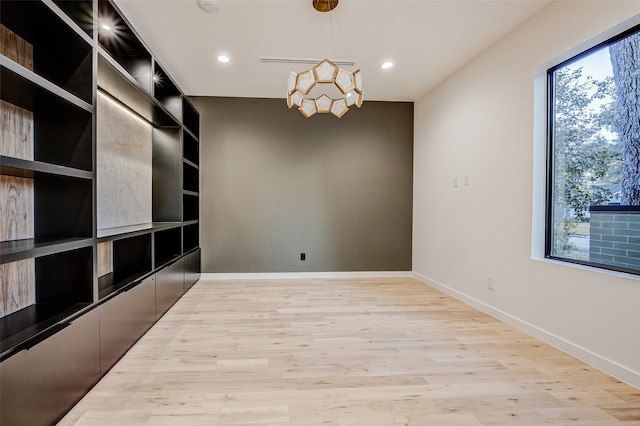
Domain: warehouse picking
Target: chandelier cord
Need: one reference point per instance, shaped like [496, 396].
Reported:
[333, 42]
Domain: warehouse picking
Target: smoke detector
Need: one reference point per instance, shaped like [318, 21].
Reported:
[210, 6]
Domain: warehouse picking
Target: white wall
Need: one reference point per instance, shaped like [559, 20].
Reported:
[480, 123]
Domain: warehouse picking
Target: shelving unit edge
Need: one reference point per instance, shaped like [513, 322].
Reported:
[53, 252]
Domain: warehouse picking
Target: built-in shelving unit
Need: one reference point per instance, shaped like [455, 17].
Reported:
[46, 170]
[83, 270]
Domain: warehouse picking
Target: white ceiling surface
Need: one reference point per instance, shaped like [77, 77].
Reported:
[426, 39]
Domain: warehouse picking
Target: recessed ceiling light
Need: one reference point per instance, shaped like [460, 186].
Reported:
[223, 58]
[106, 27]
[386, 65]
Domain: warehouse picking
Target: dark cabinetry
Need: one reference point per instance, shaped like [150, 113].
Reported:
[169, 286]
[78, 287]
[124, 318]
[42, 381]
[191, 269]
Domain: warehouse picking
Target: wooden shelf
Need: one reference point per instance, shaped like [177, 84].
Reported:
[12, 251]
[108, 234]
[18, 167]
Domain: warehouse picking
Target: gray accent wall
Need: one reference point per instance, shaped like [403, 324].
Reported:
[275, 184]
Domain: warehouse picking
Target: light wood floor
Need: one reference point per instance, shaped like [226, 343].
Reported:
[345, 352]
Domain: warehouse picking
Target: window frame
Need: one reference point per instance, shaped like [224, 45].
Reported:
[549, 147]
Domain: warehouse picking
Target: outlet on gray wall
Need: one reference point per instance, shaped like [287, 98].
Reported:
[273, 182]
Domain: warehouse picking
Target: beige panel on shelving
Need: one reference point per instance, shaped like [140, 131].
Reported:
[16, 48]
[16, 123]
[17, 131]
[124, 168]
[17, 286]
[16, 208]
[105, 258]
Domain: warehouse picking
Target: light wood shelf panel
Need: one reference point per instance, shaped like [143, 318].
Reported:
[17, 286]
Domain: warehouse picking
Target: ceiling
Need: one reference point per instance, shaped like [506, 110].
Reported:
[426, 39]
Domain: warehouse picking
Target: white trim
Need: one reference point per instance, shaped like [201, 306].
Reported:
[302, 275]
[594, 269]
[608, 366]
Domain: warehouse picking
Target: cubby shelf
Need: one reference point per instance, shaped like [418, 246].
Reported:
[63, 286]
[190, 148]
[119, 84]
[191, 206]
[62, 123]
[167, 246]
[108, 234]
[80, 12]
[12, 251]
[190, 179]
[191, 118]
[26, 89]
[120, 42]
[166, 92]
[190, 237]
[131, 260]
[59, 53]
[17, 167]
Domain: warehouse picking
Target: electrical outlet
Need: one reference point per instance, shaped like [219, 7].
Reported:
[303, 256]
[491, 283]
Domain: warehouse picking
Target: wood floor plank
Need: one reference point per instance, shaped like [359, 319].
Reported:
[345, 352]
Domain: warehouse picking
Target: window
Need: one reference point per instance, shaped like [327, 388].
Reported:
[593, 164]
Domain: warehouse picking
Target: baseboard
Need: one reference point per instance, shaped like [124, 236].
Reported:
[603, 364]
[301, 275]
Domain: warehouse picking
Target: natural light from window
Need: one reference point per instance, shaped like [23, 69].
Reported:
[593, 203]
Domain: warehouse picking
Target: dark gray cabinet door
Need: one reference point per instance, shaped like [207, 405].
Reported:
[191, 269]
[40, 383]
[124, 319]
[169, 286]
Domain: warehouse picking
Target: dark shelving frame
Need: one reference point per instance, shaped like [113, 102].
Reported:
[73, 59]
